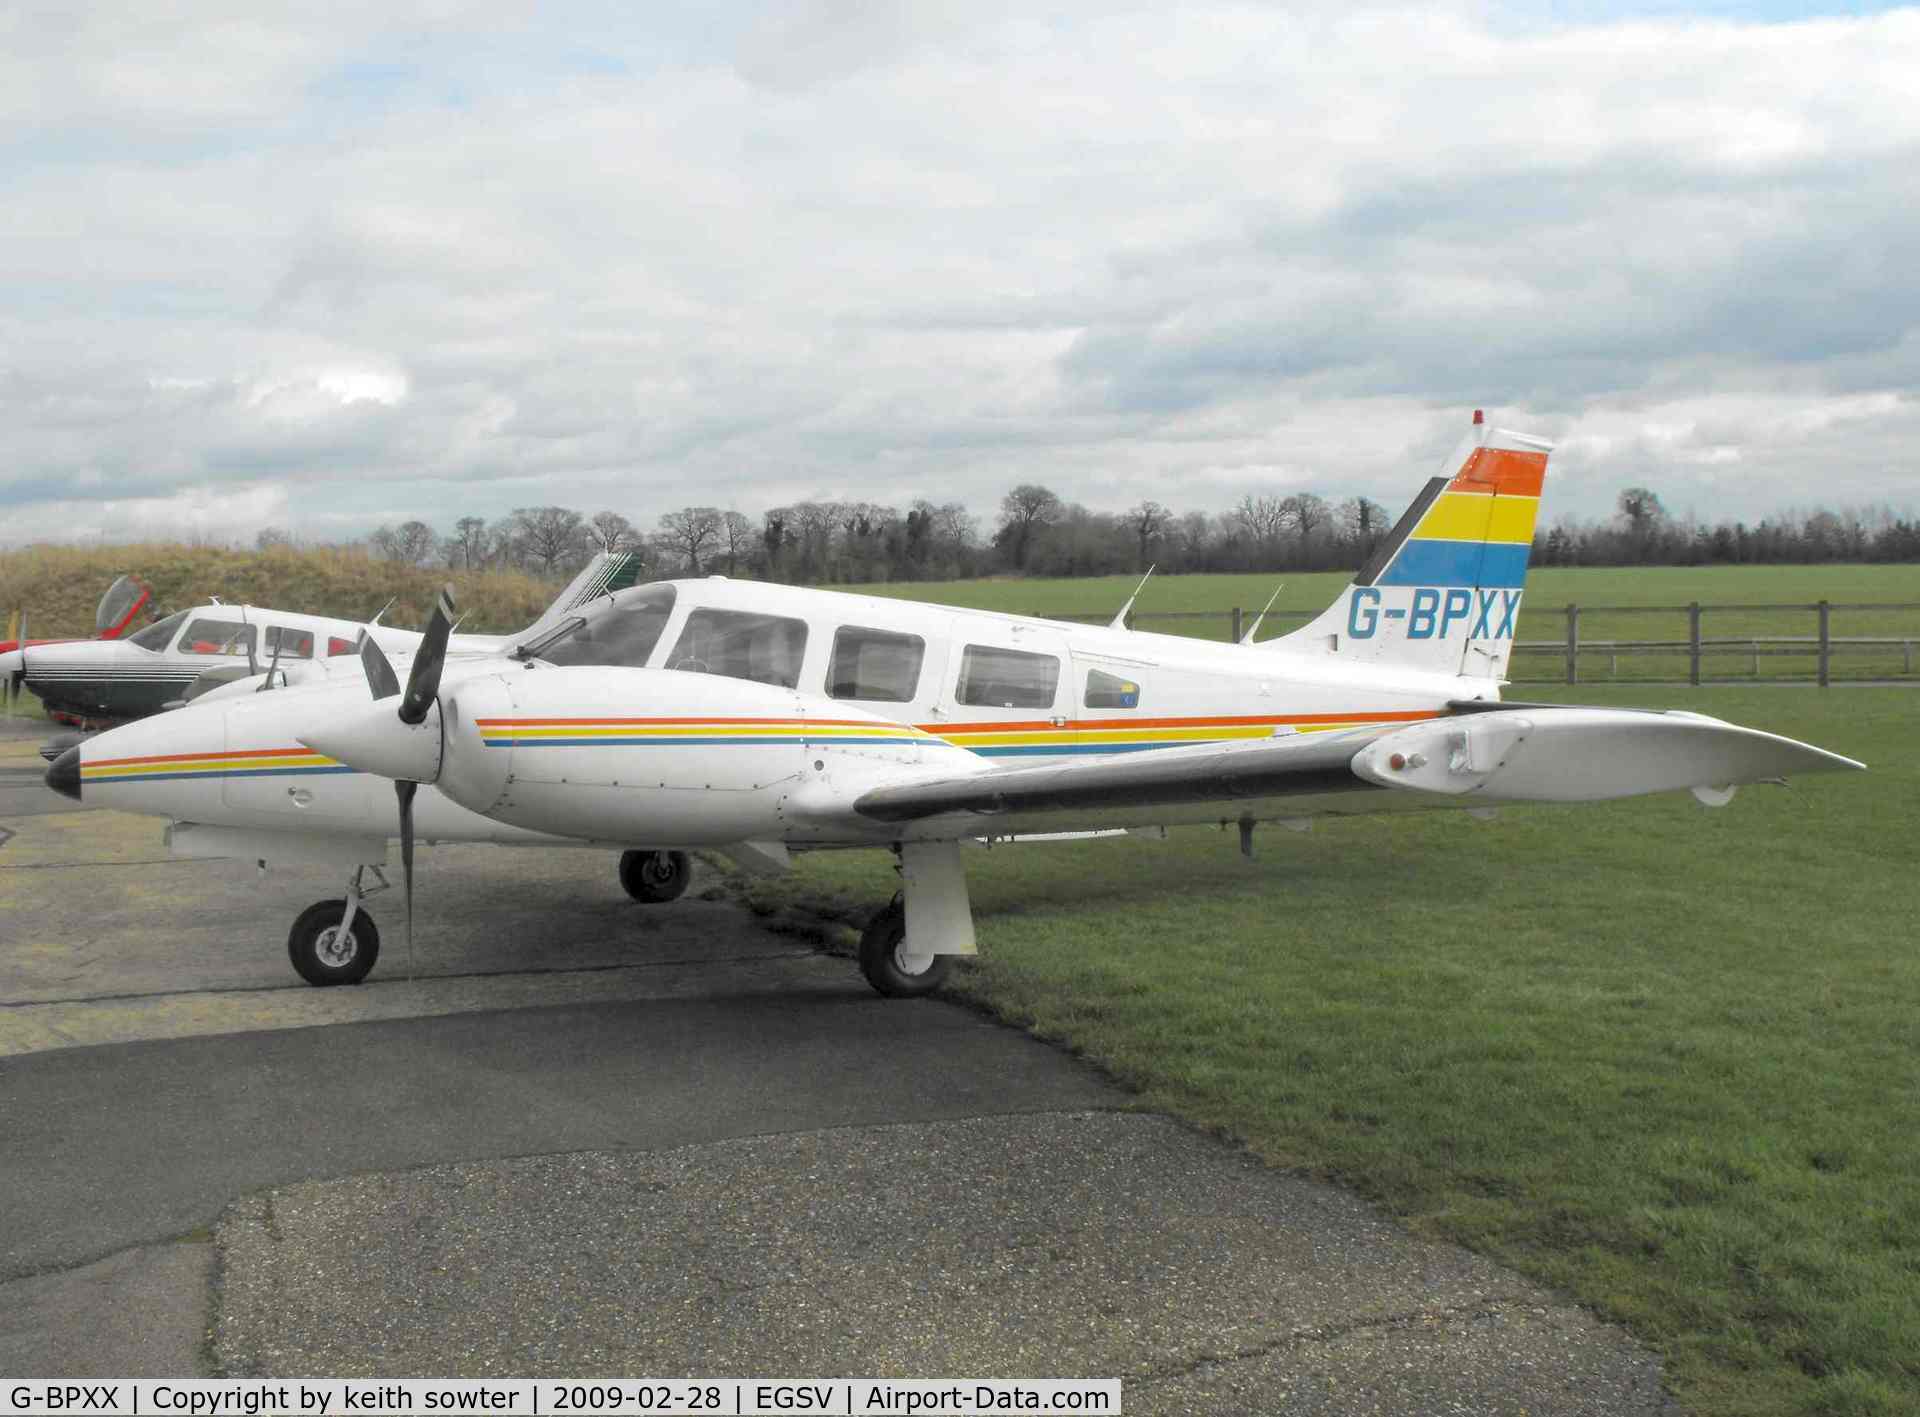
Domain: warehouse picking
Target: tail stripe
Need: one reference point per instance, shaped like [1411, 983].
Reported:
[1471, 516]
[1459, 563]
[1507, 471]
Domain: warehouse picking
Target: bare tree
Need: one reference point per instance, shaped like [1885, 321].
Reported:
[548, 536]
[413, 542]
[1024, 510]
[737, 538]
[1147, 518]
[1263, 518]
[1308, 513]
[468, 544]
[691, 532]
[612, 532]
[812, 524]
[270, 537]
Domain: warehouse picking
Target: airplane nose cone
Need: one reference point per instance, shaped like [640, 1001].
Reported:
[64, 776]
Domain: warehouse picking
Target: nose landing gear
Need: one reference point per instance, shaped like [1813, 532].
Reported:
[655, 877]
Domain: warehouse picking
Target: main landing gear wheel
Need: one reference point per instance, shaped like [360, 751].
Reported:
[321, 955]
[888, 966]
[655, 877]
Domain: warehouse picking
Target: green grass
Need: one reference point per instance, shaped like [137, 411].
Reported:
[1662, 1057]
[1202, 605]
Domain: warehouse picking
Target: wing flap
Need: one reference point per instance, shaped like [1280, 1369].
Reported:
[1307, 764]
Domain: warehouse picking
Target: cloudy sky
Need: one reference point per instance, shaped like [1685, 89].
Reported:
[350, 264]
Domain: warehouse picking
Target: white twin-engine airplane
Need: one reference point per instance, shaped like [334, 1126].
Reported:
[760, 719]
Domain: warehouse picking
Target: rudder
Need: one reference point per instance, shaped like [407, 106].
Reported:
[1442, 592]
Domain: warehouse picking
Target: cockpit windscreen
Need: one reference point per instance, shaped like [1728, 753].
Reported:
[622, 633]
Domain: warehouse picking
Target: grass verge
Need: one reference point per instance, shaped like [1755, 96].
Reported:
[1658, 1056]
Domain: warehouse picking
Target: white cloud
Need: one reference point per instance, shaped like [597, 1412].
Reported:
[426, 261]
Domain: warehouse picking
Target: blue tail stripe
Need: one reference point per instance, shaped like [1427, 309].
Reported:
[1489, 564]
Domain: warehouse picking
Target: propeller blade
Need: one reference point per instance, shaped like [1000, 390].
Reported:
[403, 791]
[423, 681]
[380, 676]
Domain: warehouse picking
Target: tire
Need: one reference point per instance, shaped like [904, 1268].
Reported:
[655, 877]
[310, 945]
[880, 957]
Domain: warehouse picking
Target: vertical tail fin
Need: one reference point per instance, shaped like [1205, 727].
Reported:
[607, 572]
[1442, 592]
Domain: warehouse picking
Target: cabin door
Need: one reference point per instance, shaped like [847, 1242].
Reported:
[1008, 692]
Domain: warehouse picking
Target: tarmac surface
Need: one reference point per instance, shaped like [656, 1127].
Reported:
[590, 1138]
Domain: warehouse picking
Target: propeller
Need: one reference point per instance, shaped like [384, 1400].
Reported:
[423, 688]
[379, 669]
[423, 680]
[396, 741]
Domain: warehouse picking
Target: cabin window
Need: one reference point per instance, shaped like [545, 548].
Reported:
[289, 643]
[217, 637]
[875, 664]
[1007, 678]
[741, 645]
[159, 635]
[336, 645]
[622, 632]
[1111, 691]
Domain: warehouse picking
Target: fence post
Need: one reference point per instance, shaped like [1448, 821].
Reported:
[1693, 644]
[1236, 624]
[1573, 644]
[1826, 643]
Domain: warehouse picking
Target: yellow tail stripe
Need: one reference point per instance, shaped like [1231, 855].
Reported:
[1468, 516]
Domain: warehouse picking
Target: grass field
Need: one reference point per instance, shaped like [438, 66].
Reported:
[59, 586]
[1659, 1056]
[1202, 605]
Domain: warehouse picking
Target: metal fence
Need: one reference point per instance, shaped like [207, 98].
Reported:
[1824, 642]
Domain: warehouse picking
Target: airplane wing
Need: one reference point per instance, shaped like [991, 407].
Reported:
[1479, 755]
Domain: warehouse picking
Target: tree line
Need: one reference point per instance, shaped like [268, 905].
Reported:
[1037, 533]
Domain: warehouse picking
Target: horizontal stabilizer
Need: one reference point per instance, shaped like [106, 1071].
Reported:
[1543, 754]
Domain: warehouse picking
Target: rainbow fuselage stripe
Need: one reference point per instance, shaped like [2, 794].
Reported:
[996, 739]
[1088, 737]
[993, 739]
[292, 761]
[687, 732]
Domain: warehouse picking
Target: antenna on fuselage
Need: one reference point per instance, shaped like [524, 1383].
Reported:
[383, 610]
[1119, 622]
[1247, 638]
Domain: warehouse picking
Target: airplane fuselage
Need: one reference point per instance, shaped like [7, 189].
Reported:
[102, 682]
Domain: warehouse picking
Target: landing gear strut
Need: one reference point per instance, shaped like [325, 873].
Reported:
[655, 877]
[335, 941]
[890, 964]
